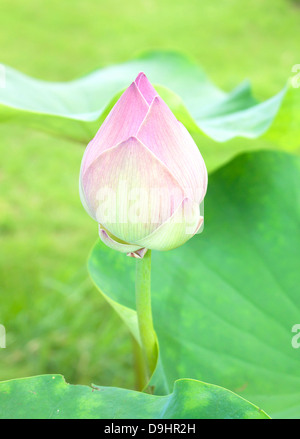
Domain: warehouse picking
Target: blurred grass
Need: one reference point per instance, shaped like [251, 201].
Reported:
[55, 319]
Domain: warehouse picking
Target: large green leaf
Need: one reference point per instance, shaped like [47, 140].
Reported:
[76, 108]
[224, 303]
[50, 397]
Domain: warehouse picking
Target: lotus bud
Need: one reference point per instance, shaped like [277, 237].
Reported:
[142, 176]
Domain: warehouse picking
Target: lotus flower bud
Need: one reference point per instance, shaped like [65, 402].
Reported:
[142, 177]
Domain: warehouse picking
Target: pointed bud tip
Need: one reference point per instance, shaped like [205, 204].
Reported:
[140, 76]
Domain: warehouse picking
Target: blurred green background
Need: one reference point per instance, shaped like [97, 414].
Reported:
[56, 321]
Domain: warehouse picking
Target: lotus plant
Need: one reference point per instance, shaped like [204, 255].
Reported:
[143, 180]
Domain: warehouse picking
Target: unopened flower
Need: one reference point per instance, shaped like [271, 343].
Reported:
[142, 177]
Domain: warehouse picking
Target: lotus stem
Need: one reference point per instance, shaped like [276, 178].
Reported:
[144, 312]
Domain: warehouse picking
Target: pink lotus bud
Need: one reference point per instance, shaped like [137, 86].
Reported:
[142, 177]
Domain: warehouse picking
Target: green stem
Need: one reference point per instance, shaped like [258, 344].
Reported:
[144, 313]
[141, 377]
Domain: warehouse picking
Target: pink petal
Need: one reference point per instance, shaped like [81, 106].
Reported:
[169, 140]
[145, 87]
[129, 191]
[122, 122]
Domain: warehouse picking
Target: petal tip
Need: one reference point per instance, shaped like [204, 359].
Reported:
[131, 139]
[139, 76]
[158, 103]
[145, 87]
